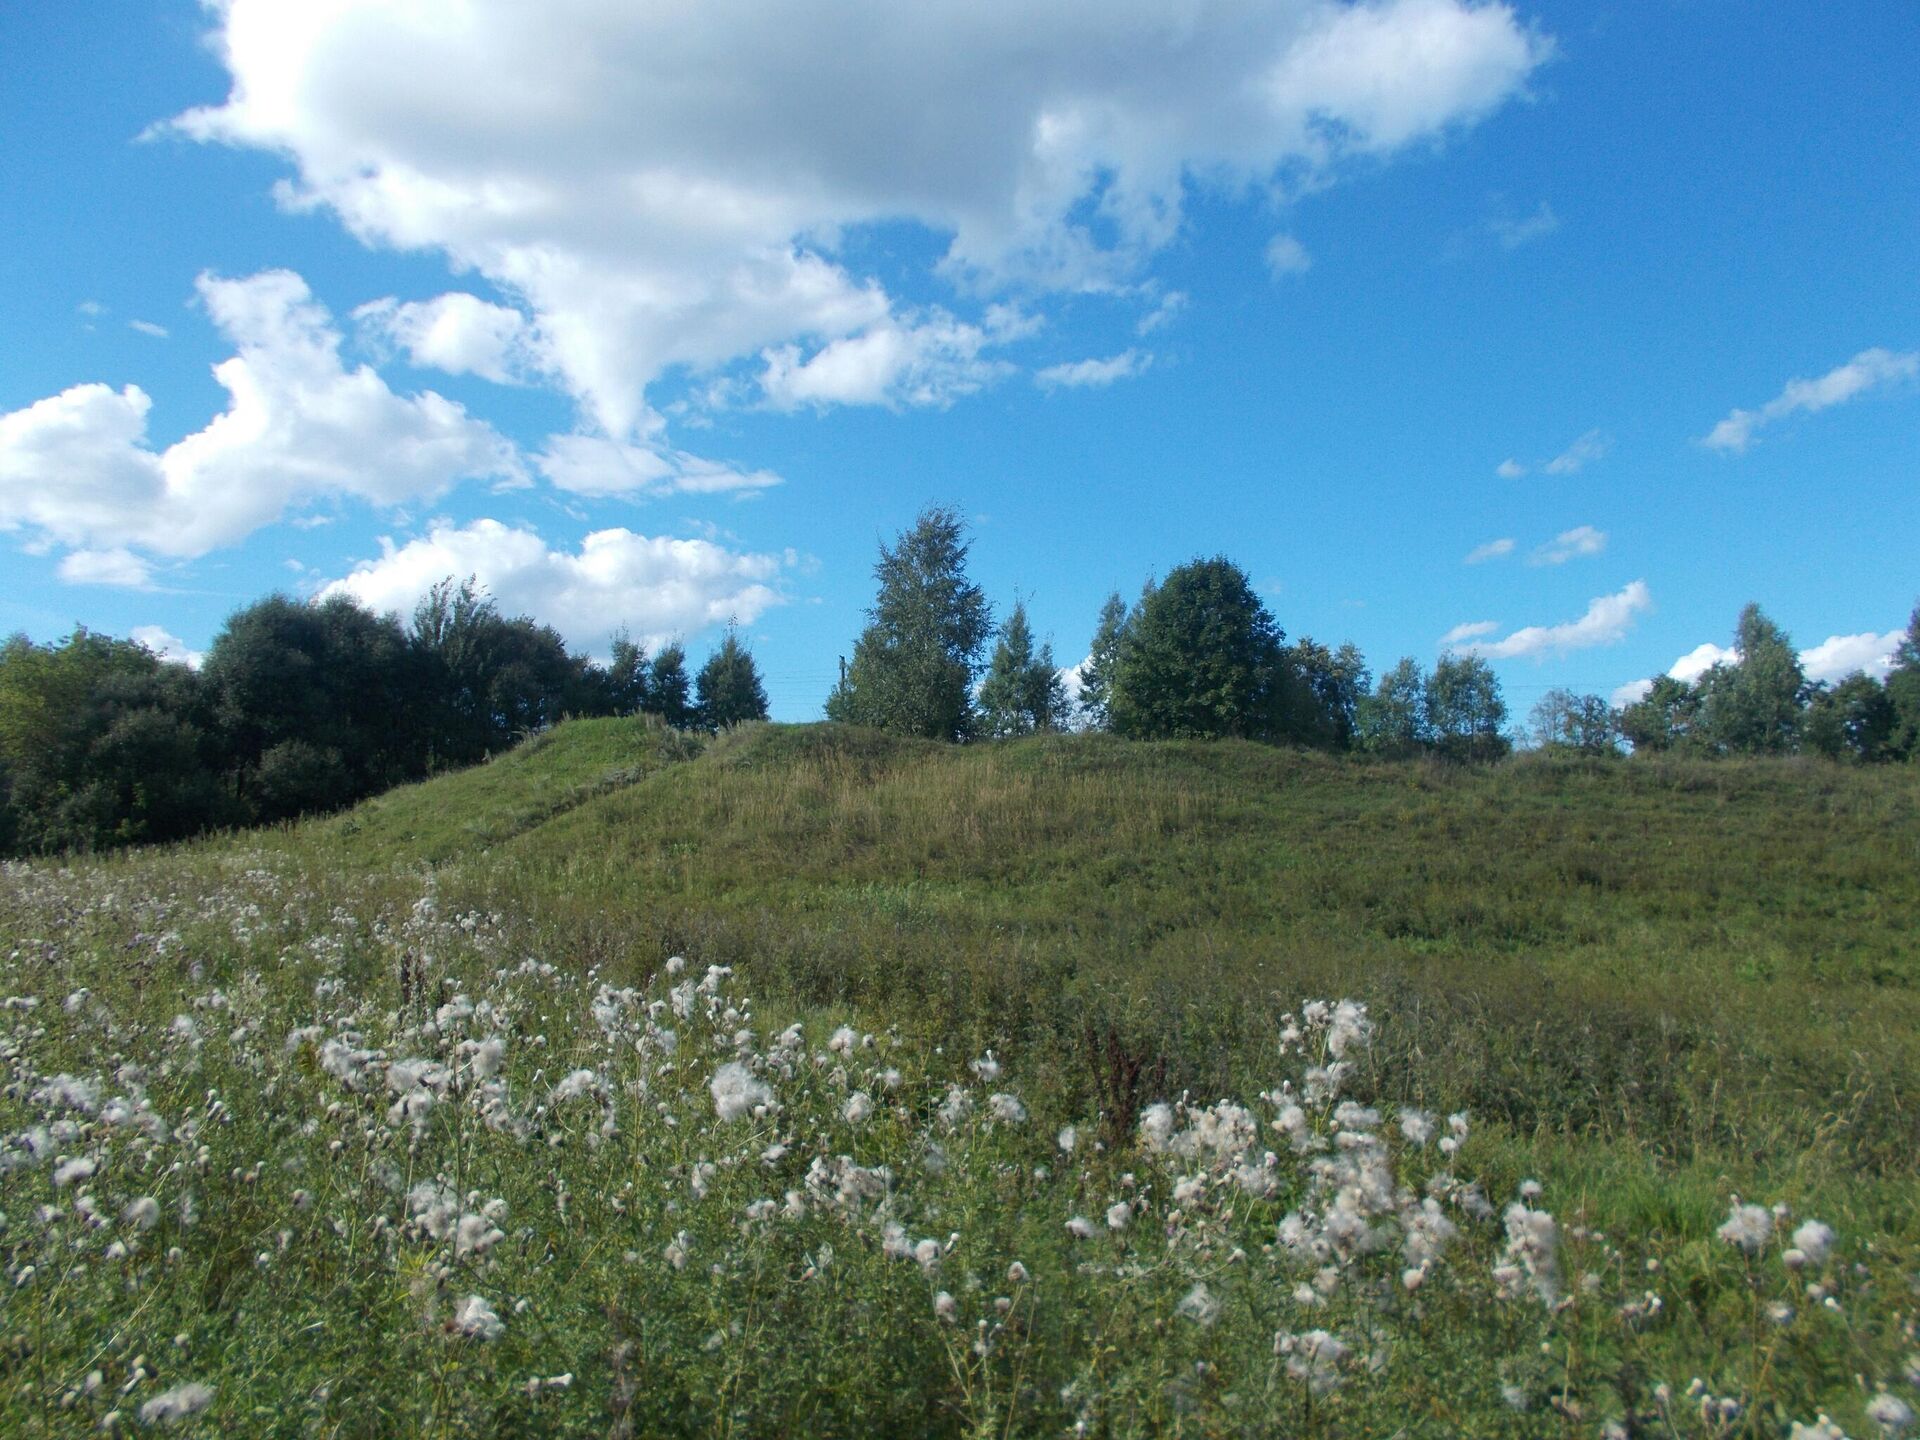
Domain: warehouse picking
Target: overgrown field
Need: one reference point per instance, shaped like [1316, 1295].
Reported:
[1005, 1090]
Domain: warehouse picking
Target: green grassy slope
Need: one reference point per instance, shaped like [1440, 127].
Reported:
[1653, 986]
[1680, 952]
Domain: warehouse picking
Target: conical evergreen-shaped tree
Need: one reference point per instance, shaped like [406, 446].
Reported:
[1023, 692]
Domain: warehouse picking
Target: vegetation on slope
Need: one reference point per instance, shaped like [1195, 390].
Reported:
[1652, 987]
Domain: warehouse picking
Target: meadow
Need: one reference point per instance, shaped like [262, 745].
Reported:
[807, 1081]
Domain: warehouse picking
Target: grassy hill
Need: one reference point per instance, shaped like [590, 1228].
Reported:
[1653, 987]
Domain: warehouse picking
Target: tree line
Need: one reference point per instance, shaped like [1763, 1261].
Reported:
[1198, 655]
[302, 707]
[306, 707]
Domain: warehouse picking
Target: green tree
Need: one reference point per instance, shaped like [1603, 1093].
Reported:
[1023, 693]
[728, 689]
[1853, 720]
[1096, 675]
[1754, 706]
[670, 688]
[1465, 711]
[487, 680]
[914, 665]
[627, 677]
[1665, 718]
[332, 678]
[1392, 720]
[1903, 693]
[1327, 689]
[1201, 658]
[1562, 720]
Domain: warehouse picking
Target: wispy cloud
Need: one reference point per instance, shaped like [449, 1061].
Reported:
[1287, 256]
[1512, 233]
[1088, 374]
[147, 327]
[1510, 469]
[1865, 371]
[1580, 454]
[1606, 622]
[1471, 630]
[1568, 544]
[1492, 550]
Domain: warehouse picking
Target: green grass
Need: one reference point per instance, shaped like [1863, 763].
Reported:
[1653, 985]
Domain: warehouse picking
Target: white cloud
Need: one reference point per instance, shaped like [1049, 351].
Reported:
[1581, 540]
[594, 465]
[1094, 374]
[1287, 256]
[459, 333]
[1510, 469]
[1165, 309]
[76, 469]
[657, 587]
[1471, 630]
[669, 185]
[1865, 371]
[147, 327]
[1581, 453]
[1630, 693]
[1606, 622]
[932, 361]
[118, 566]
[170, 648]
[1512, 234]
[92, 309]
[1702, 658]
[1492, 550]
[1839, 656]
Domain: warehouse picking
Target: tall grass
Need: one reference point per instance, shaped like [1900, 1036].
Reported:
[1651, 987]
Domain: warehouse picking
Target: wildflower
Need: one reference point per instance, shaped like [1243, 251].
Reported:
[1067, 1139]
[176, 1404]
[1532, 1253]
[1892, 1414]
[1081, 1228]
[1156, 1126]
[1814, 1241]
[580, 1082]
[1748, 1227]
[143, 1213]
[1006, 1108]
[843, 1040]
[946, 1307]
[476, 1235]
[858, 1107]
[927, 1255]
[1199, 1305]
[1313, 1358]
[474, 1317]
[1017, 1274]
[1119, 1215]
[736, 1091]
[678, 1250]
[986, 1067]
[68, 1171]
[1416, 1126]
[956, 1107]
[1821, 1429]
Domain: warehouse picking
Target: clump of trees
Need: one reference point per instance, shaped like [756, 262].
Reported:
[1761, 703]
[1198, 656]
[304, 707]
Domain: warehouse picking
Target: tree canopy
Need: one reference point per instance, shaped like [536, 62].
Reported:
[914, 665]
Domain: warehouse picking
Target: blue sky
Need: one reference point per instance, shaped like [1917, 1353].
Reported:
[655, 315]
